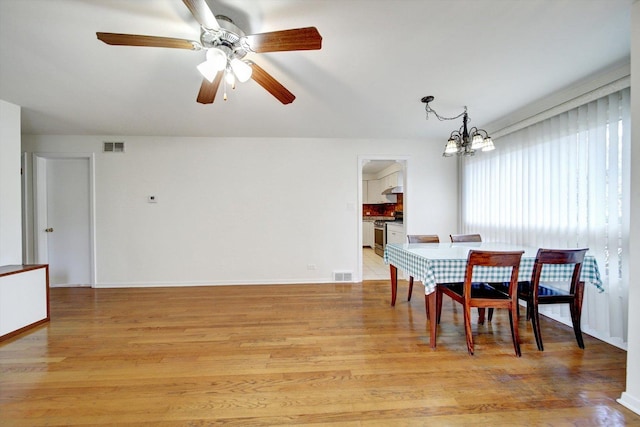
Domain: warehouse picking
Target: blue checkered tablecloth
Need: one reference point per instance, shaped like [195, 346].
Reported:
[434, 263]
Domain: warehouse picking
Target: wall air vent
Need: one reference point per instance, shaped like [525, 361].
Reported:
[342, 276]
[113, 147]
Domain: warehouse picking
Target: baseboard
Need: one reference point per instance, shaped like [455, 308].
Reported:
[211, 283]
[69, 286]
[616, 342]
[630, 402]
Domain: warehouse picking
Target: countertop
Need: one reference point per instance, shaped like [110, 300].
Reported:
[377, 218]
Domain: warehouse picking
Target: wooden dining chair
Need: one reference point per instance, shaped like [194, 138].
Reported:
[458, 238]
[483, 295]
[536, 292]
[465, 238]
[420, 238]
[423, 238]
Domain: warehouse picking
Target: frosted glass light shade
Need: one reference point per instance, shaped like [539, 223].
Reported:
[451, 147]
[488, 145]
[208, 70]
[217, 58]
[241, 69]
[477, 142]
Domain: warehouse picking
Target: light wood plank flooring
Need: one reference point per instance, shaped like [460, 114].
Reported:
[373, 266]
[334, 354]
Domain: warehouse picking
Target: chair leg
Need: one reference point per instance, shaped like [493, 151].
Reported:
[576, 313]
[535, 323]
[575, 319]
[438, 305]
[513, 320]
[410, 288]
[467, 328]
[480, 316]
[490, 314]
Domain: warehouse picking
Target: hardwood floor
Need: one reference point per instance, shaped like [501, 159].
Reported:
[334, 354]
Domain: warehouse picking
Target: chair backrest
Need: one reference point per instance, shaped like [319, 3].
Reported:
[493, 259]
[465, 238]
[423, 238]
[558, 256]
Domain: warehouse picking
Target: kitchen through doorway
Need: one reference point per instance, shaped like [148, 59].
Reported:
[383, 199]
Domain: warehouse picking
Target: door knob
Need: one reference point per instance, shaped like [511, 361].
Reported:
[49, 230]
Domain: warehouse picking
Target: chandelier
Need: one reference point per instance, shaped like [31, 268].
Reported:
[464, 141]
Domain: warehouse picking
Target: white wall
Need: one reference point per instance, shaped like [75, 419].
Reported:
[238, 211]
[10, 193]
[631, 397]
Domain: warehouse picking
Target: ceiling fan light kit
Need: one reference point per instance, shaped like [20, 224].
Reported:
[464, 141]
[226, 45]
[241, 69]
[216, 61]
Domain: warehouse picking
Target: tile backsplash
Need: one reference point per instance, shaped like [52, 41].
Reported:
[383, 209]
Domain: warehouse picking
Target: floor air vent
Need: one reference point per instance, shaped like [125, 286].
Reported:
[113, 147]
[342, 276]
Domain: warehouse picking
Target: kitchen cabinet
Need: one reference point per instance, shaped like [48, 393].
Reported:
[391, 181]
[395, 233]
[367, 234]
[374, 193]
[365, 191]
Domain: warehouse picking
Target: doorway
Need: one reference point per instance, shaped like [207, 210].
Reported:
[374, 168]
[64, 217]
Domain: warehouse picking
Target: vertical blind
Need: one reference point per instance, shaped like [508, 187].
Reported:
[562, 182]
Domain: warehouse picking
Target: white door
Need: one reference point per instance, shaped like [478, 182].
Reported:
[64, 219]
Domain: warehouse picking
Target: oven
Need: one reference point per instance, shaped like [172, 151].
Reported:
[380, 237]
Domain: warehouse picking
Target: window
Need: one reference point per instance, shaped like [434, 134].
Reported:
[562, 182]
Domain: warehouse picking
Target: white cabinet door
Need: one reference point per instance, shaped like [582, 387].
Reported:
[367, 234]
[365, 191]
[392, 180]
[386, 182]
[374, 191]
[395, 233]
[372, 235]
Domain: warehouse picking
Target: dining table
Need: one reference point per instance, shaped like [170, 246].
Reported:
[434, 263]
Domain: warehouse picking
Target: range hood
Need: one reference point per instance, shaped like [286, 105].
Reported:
[393, 190]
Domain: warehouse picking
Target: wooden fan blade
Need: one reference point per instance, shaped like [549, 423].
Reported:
[276, 41]
[209, 89]
[201, 11]
[272, 86]
[150, 41]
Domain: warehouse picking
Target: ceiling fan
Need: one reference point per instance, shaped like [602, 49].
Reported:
[226, 45]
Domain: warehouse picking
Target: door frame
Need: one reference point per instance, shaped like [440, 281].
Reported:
[39, 163]
[362, 160]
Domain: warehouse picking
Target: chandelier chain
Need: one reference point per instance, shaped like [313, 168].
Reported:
[428, 109]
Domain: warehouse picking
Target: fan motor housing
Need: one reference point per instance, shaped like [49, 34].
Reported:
[228, 38]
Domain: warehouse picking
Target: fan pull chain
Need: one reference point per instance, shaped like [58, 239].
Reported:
[225, 90]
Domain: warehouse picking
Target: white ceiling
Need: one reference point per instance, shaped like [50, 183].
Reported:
[378, 59]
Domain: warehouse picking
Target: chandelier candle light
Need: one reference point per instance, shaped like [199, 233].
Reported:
[464, 141]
